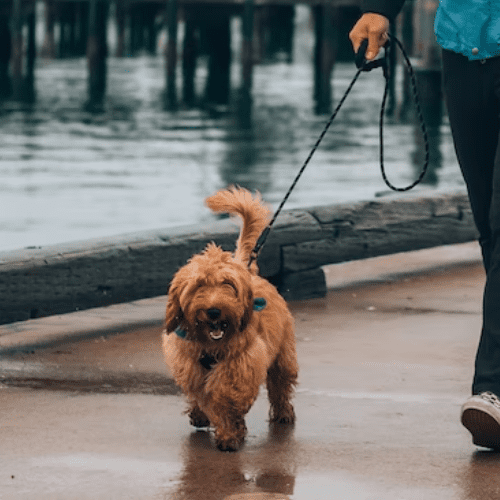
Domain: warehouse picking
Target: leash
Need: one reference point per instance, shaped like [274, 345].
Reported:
[363, 66]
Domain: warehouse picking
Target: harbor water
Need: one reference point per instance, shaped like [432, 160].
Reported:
[66, 174]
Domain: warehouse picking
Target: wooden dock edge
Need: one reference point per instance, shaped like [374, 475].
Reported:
[36, 282]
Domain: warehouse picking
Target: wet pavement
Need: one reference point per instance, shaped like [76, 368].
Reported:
[386, 361]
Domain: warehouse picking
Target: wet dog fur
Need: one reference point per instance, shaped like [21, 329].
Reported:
[228, 331]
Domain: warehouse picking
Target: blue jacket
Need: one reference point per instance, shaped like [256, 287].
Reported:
[469, 27]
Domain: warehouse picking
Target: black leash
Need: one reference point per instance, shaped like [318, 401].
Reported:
[363, 66]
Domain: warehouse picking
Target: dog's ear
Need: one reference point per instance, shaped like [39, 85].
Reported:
[247, 315]
[174, 315]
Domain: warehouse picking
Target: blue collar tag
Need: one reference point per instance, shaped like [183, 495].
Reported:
[259, 303]
[180, 333]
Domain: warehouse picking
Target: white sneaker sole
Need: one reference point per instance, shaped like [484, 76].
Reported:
[478, 419]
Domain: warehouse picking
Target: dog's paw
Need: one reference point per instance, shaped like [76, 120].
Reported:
[231, 440]
[232, 444]
[283, 416]
[198, 419]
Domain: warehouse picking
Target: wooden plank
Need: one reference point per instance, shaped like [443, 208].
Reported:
[93, 273]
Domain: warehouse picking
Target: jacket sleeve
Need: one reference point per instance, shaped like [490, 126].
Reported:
[388, 8]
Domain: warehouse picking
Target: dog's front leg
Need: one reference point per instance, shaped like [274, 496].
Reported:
[229, 394]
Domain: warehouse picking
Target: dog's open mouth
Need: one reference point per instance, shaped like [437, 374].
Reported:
[218, 330]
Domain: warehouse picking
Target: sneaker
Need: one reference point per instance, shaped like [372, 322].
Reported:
[481, 417]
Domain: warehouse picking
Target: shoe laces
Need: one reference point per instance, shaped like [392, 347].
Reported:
[491, 398]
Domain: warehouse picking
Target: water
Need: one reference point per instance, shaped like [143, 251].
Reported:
[69, 175]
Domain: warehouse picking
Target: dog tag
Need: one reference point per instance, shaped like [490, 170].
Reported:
[180, 333]
[259, 303]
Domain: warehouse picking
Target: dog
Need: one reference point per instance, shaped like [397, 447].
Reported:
[228, 330]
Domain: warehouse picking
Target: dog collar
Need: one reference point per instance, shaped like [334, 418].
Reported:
[259, 303]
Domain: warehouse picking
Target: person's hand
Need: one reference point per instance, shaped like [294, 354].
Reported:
[373, 26]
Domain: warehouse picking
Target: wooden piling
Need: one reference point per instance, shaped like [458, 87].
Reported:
[150, 34]
[171, 55]
[137, 27]
[96, 55]
[49, 44]
[278, 32]
[428, 70]
[218, 31]
[429, 81]
[405, 20]
[189, 56]
[5, 55]
[324, 56]
[120, 15]
[17, 50]
[247, 55]
[82, 14]
[392, 64]
[29, 84]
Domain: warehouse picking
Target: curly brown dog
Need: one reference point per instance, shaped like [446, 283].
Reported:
[228, 330]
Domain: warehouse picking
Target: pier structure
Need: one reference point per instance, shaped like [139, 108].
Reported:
[266, 28]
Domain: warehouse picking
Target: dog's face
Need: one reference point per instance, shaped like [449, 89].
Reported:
[210, 299]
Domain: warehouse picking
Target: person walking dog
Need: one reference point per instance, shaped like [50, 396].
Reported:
[469, 34]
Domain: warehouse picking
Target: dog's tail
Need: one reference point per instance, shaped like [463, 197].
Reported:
[254, 213]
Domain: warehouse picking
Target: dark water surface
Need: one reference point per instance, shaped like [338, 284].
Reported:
[67, 175]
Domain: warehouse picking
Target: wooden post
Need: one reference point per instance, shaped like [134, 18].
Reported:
[325, 53]
[137, 27]
[278, 31]
[72, 29]
[5, 55]
[171, 53]
[392, 63]
[150, 28]
[428, 71]
[17, 50]
[218, 32]
[406, 21]
[96, 55]
[49, 44]
[82, 28]
[428, 74]
[247, 55]
[62, 10]
[30, 58]
[189, 55]
[120, 28]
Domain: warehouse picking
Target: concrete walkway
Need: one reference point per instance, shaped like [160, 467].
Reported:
[386, 361]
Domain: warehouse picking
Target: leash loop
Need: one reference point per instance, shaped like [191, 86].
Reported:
[363, 66]
[420, 118]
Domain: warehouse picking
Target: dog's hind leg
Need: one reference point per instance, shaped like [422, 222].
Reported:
[281, 381]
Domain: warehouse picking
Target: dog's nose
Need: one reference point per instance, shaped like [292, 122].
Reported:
[213, 313]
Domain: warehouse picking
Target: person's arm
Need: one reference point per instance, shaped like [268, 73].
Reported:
[374, 24]
[386, 8]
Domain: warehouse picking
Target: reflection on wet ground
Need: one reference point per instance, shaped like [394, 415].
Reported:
[384, 367]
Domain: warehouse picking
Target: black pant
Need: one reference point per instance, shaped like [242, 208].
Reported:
[472, 91]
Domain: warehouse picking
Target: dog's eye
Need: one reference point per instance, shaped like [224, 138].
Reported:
[230, 285]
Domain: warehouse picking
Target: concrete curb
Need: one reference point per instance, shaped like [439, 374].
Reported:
[38, 282]
[148, 313]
